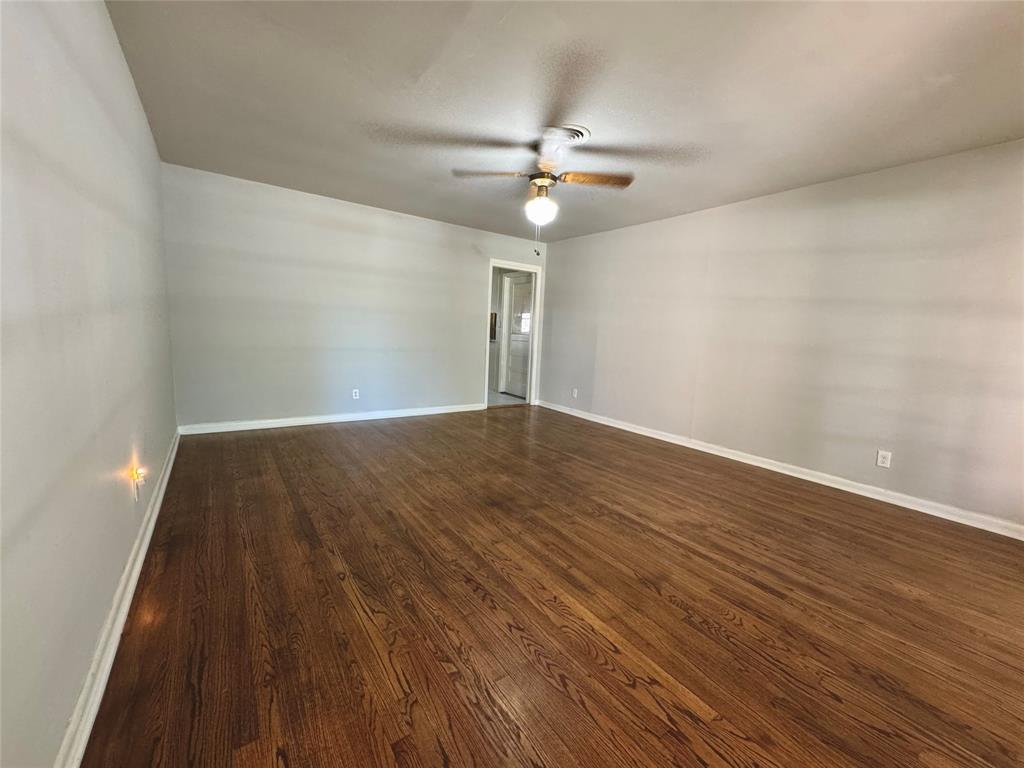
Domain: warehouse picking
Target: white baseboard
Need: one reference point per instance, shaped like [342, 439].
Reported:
[76, 737]
[974, 519]
[302, 421]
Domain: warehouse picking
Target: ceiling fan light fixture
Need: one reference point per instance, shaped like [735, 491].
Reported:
[541, 209]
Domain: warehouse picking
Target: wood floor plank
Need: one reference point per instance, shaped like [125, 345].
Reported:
[517, 587]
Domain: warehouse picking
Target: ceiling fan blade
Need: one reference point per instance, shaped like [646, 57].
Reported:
[620, 180]
[568, 74]
[429, 137]
[480, 174]
[674, 155]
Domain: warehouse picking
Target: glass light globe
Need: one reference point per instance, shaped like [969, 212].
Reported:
[541, 210]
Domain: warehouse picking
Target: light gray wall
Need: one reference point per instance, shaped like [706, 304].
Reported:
[813, 326]
[282, 302]
[86, 358]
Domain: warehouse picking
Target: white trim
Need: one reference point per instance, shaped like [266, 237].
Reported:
[973, 519]
[533, 394]
[504, 334]
[76, 737]
[333, 418]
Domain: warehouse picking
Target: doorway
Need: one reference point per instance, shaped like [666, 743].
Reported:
[512, 335]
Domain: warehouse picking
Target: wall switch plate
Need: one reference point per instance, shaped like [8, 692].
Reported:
[355, 394]
[575, 393]
[883, 459]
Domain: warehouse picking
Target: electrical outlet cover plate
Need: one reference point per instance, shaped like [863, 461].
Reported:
[883, 459]
[355, 394]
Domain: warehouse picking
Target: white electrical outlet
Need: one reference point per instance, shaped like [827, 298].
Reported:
[355, 394]
[575, 393]
[883, 459]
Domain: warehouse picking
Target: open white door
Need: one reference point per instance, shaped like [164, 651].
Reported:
[517, 330]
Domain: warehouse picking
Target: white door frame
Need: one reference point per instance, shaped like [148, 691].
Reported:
[505, 335]
[533, 382]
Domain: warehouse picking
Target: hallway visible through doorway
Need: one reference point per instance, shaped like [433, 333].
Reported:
[495, 399]
[510, 337]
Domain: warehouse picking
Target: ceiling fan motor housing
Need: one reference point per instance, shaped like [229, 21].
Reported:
[543, 179]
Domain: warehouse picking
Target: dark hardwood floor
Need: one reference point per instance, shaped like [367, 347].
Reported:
[517, 587]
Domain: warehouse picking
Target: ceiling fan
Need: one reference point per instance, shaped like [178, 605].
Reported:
[540, 208]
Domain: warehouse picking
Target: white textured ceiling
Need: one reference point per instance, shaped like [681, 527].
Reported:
[709, 102]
